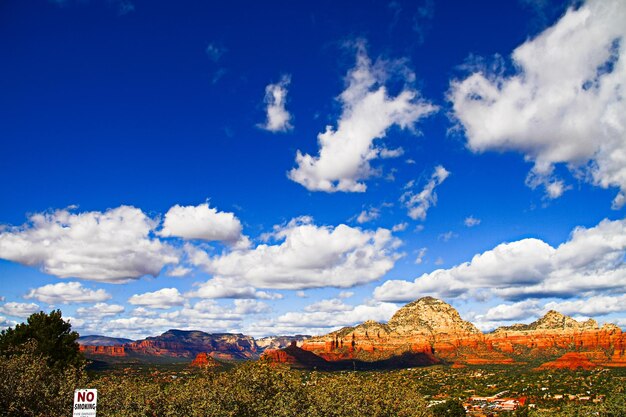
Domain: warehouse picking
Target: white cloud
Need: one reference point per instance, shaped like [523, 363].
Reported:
[368, 215]
[251, 307]
[564, 105]
[19, 309]
[445, 237]
[400, 227]
[591, 261]
[517, 311]
[201, 222]
[100, 310]
[328, 306]
[301, 294]
[418, 204]
[6, 323]
[420, 256]
[111, 246]
[592, 306]
[309, 256]
[471, 221]
[67, 292]
[228, 288]
[311, 322]
[143, 312]
[163, 298]
[278, 118]
[345, 294]
[367, 114]
[179, 272]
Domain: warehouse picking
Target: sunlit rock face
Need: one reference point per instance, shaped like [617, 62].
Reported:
[432, 326]
[204, 360]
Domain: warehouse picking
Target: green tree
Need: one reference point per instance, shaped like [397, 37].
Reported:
[29, 387]
[450, 408]
[54, 339]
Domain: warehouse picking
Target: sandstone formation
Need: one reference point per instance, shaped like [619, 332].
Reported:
[570, 360]
[176, 345]
[427, 326]
[203, 360]
[431, 326]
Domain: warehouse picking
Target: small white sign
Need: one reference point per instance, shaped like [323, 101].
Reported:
[85, 402]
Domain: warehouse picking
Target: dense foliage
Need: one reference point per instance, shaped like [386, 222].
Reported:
[30, 387]
[259, 389]
[54, 339]
[450, 408]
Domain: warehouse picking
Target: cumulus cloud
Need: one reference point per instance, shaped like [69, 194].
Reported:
[592, 306]
[67, 292]
[400, 227]
[564, 105]
[328, 306]
[19, 309]
[163, 298]
[278, 119]
[471, 221]
[420, 256]
[318, 322]
[205, 315]
[227, 288]
[368, 215]
[100, 310]
[306, 256]
[251, 307]
[368, 112]
[418, 204]
[591, 261]
[111, 246]
[178, 272]
[508, 312]
[201, 222]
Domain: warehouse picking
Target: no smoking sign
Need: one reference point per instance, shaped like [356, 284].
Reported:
[85, 402]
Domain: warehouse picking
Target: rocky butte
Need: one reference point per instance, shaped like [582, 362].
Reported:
[435, 329]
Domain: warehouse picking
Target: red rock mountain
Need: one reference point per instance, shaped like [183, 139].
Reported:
[204, 360]
[177, 345]
[432, 327]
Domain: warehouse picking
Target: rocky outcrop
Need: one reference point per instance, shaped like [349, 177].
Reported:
[570, 360]
[556, 333]
[113, 351]
[433, 327]
[279, 342]
[427, 325]
[203, 360]
[296, 357]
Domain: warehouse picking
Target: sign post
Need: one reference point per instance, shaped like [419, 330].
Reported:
[85, 402]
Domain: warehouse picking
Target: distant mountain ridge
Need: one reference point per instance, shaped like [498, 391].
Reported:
[432, 327]
[181, 345]
[97, 340]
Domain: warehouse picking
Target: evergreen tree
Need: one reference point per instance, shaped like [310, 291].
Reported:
[53, 337]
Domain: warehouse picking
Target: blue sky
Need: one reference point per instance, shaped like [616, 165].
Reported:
[278, 168]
